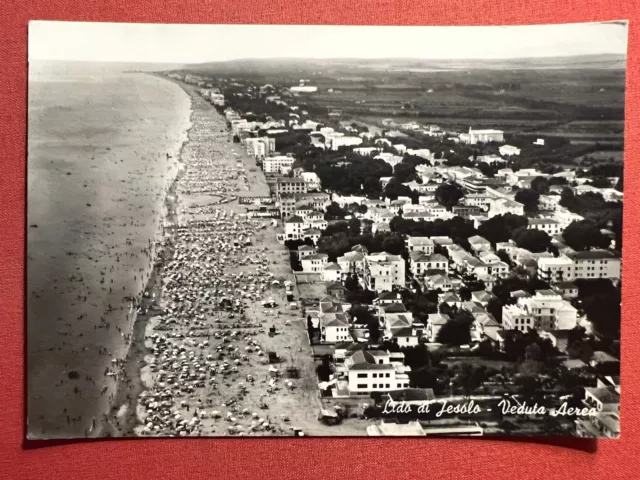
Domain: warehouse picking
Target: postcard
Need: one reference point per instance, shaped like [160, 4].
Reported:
[252, 230]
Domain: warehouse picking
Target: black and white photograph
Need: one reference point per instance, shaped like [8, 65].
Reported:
[305, 230]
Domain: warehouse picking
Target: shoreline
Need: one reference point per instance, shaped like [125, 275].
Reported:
[91, 259]
[122, 418]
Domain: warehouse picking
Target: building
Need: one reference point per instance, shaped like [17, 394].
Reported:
[508, 150]
[515, 317]
[382, 271]
[337, 142]
[336, 329]
[260, 147]
[596, 264]
[489, 159]
[588, 265]
[332, 272]
[548, 225]
[289, 185]
[305, 250]
[435, 321]
[479, 244]
[372, 371]
[420, 263]
[367, 151]
[605, 400]
[217, 99]
[312, 181]
[302, 88]
[314, 263]
[567, 290]
[546, 310]
[277, 164]
[293, 228]
[420, 244]
[352, 262]
[482, 136]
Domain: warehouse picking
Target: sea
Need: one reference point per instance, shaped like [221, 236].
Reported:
[103, 149]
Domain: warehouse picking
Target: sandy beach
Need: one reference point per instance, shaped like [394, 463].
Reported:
[99, 168]
[203, 369]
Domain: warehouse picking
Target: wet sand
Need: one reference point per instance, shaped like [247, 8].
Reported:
[102, 155]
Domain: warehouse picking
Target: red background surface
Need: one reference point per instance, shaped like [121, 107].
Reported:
[297, 458]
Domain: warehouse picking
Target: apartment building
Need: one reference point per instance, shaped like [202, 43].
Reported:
[277, 164]
[548, 225]
[588, 265]
[289, 185]
[546, 310]
[382, 271]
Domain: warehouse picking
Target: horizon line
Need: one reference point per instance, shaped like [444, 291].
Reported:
[265, 59]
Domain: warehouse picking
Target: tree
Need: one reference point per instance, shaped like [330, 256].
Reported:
[494, 307]
[499, 228]
[395, 189]
[335, 212]
[531, 239]
[404, 172]
[393, 244]
[464, 293]
[469, 377]
[351, 282]
[583, 235]
[540, 185]
[529, 198]
[363, 316]
[456, 331]
[324, 370]
[354, 227]
[448, 194]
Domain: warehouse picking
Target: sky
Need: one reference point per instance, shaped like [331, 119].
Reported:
[163, 43]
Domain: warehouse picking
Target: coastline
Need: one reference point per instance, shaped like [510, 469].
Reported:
[122, 418]
[203, 390]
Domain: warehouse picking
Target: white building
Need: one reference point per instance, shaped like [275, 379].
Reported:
[420, 152]
[344, 141]
[550, 311]
[304, 89]
[420, 263]
[420, 244]
[293, 228]
[508, 150]
[482, 136]
[367, 151]
[515, 317]
[312, 180]
[382, 271]
[276, 163]
[352, 262]
[314, 263]
[332, 272]
[336, 330]
[588, 265]
[372, 371]
[548, 225]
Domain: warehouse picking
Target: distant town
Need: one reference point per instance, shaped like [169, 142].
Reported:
[432, 264]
